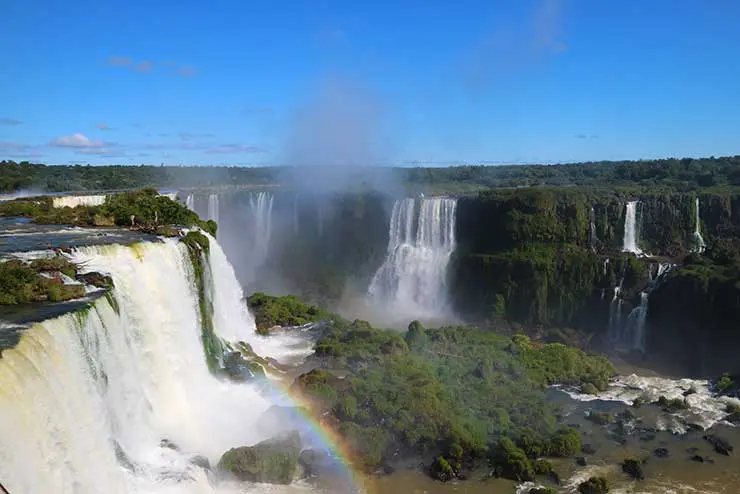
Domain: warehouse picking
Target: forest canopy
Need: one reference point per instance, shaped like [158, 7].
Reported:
[682, 174]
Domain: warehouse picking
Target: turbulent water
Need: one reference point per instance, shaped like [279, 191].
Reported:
[630, 229]
[74, 201]
[412, 279]
[86, 398]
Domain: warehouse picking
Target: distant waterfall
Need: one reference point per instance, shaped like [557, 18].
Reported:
[630, 229]
[615, 313]
[699, 244]
[412, 278]
[633, 335]
[190, 202]
[635, 330]
[213, 207]
[74, 201]
[260, 206]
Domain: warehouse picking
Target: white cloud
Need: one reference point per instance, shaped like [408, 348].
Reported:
[76, 141]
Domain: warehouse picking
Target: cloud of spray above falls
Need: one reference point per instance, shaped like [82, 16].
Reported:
[337, 139]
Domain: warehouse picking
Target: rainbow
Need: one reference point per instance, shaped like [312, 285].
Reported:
[321, 435]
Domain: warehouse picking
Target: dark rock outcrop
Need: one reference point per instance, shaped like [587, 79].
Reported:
[274, 461]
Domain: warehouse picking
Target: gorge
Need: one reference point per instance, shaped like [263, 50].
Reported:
[148, 361]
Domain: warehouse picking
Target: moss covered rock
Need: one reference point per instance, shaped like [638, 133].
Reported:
[274, 461]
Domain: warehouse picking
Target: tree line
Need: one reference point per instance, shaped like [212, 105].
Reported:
[682, 174]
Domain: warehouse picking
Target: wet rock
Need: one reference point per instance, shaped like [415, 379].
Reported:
[122, 457]
[587, 449]
[166, 443]
[554, 477]
[581, 461]
[695, 427]
[697, 458]
[200, 461]
[672, 405]
[274, 461]
[541, 490]
[721, 446]
[594, 485]
[240, 369]
[647, 437]
[96, 279]
[600, 418]
[661, 452]
[693, 450]
[313, 463]
[633, 468]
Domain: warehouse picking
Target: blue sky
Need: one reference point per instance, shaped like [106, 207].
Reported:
[247, 82]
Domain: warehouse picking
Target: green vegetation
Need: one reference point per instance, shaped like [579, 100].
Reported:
[37, 281]
[270, 311]
[198, 249]
[455, 395]
[143, 208]
[274, 461]
[685, 174]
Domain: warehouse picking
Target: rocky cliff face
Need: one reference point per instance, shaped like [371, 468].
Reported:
[553, 258]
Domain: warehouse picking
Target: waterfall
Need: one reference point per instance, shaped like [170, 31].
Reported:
[74, 201]
[260, 205]
[190, 202]
[634, 335]
[213, 207]
[86, 398]
[615, 313]
[412, 278]
[699, 244]
[630, 229]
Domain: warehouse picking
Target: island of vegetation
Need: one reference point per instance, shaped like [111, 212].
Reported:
[459, 399]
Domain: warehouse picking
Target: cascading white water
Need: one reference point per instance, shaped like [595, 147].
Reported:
[635, 336]
[74, 201]
[213, 207]
[615, 313]
[699, 244]
[80, 390]
[412, 278]
[630, 229]
[260, 205]
[190, 202]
